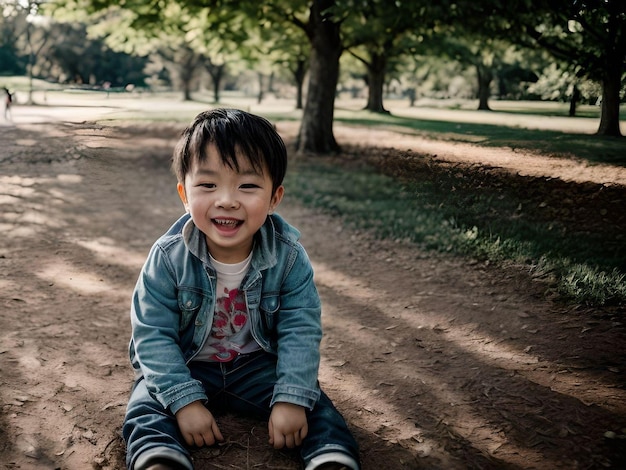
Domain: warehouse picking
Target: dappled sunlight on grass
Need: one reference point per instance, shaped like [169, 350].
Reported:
[473, 209]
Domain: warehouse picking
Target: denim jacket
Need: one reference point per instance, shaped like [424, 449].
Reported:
[174, 300]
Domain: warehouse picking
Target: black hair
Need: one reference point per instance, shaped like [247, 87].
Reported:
[233, 132]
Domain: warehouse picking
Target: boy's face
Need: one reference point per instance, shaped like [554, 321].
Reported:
[228, 206]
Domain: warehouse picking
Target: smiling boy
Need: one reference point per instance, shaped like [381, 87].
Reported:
[225, 314]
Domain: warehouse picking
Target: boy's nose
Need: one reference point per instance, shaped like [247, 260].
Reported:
[226, 200]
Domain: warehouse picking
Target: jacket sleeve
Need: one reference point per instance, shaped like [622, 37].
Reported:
[299, 332]
[154, 347]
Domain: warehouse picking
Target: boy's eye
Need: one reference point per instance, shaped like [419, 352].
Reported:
[249, 186]
[207, 185]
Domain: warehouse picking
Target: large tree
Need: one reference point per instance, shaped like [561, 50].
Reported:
[486, 55]
[588, 34]
[290, 49]
[379, 34]
[321, 22]
[323, 30]
[220, 35]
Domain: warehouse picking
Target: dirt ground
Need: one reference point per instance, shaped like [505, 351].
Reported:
[436, 362]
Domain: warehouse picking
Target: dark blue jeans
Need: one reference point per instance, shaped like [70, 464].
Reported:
[243, 386]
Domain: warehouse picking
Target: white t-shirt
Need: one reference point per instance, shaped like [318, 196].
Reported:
[230, 333]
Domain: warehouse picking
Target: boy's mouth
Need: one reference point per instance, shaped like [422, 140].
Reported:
[227, 223]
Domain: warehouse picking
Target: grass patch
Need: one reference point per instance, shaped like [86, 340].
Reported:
[441, 213]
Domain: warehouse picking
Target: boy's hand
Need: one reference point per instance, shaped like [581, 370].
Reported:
[287, 426]
[197, 425]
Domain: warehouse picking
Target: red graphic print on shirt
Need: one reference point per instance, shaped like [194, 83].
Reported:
[230, 318]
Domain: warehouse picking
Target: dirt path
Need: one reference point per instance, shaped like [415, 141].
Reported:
[436, 362]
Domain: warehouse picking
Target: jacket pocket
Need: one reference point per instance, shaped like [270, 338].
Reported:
[189, 303]
[269, 310]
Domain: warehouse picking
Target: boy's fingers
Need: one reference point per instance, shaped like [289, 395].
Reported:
[303, 432]
[190, 439]
[216, 433]
[209, 439]
[278, 441]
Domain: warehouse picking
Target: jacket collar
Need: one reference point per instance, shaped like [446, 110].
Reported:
[264, 249]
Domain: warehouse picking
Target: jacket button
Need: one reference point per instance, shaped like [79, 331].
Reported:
[188, 303]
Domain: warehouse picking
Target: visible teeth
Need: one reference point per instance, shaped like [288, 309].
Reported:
[226, 222]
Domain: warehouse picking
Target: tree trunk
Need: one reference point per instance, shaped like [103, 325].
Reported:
[299, 75]
[316, 129]
[609, 117]
[259, 97]
[185, 70]
[485, 77]
[216, 72]
[186, 77]
[574, 101]
[33, 53]
[412, 94]
[376, 72]
[185, 64]
[186, 91]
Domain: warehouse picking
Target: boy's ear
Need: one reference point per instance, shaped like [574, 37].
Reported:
[182, 194]
[276, 198]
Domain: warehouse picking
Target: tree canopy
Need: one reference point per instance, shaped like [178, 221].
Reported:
[310, 36]
[590, 35]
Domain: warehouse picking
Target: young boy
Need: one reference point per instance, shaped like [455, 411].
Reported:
[225, 315]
